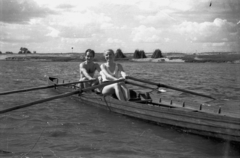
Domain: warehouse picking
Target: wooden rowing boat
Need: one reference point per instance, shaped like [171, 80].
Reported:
[202, 120]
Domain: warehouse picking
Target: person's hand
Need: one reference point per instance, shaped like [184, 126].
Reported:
[121, 78]
[125, 76]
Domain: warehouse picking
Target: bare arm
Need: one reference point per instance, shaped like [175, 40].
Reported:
[98, 67]
[123, 73]
[84, 71]
[104, 71]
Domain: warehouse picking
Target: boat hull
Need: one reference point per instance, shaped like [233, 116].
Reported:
[193, 121]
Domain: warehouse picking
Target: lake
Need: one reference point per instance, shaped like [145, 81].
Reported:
[67, 128]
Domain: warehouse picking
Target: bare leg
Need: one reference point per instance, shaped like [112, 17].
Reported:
[125, 91]
[113, 88]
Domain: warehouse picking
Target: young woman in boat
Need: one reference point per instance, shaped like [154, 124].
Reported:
[88, 68]
[111, 71]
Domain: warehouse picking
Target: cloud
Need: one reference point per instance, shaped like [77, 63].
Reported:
[171, 24]
[217, 31]
[53, 32]
[23, 33]
[65, 6]
[156, 5]
[21, 11]
[114, 41]
[88, 23]
[160, 19]
[86, 31]
[200, 11]
[146, 34]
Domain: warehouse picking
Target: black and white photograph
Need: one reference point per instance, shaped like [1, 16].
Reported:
[119, 78]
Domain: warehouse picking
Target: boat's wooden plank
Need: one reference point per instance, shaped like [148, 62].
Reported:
[180, 111]
[206, 121]
[174, 113]
[208, 108]
[177, 121]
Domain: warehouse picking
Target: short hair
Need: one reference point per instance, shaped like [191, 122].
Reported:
[109, 50]
[90, 51]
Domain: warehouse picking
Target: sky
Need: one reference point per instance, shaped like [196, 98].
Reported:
[63, 26]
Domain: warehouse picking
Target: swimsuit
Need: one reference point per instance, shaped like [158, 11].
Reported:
[115, 73]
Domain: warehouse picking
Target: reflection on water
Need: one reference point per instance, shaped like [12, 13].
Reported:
[67, 128]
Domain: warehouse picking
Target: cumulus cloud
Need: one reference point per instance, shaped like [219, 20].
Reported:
[21, 11]
[217, 31]
[160, 19]
[65, 6]
[87, 24]
[85, 31]
[53, 32]
[129, 23]
[146, 34]
[156, 5]
[114, 41]
[200, 11]
[14, 33]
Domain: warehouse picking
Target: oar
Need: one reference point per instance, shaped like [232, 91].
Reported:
[43, 87]
[58, 96]
[170, 87]
[143, 86]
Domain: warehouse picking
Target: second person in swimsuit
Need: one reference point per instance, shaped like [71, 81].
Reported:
[111, 71]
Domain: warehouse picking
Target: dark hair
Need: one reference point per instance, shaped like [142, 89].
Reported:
[90, 51]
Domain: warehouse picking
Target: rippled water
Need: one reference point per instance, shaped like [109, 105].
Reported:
[67, 128]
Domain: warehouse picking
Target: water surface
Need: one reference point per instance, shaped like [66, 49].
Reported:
[68, 128]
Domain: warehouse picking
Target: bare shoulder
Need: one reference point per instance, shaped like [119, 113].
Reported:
[102, 65]
[96, 64]
[83, 64]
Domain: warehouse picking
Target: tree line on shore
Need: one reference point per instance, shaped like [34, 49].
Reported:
[22, 50]
[119, 54]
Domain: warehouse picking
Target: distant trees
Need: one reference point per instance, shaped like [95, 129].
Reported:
[7, 52]
[119, 54]
[24, 51]
[139, 54]
[157, 54]
[0, 52]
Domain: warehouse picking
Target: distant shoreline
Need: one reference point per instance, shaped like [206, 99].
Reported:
[169, 58]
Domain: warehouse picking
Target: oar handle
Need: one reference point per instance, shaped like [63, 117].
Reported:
[43, 87]
[59, 96]
[170, 87]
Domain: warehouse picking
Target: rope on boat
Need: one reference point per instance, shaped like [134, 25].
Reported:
[107, 104]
